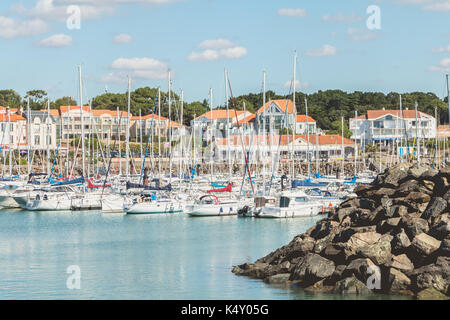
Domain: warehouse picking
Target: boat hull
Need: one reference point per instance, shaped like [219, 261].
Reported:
[212, 210]
[154, 208]
[49, 205]
[295, 212]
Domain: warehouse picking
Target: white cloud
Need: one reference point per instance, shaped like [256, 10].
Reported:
[361, 35]
[220, 43]
[144, 68]
[233, 53]
[56, 41]
[290, 12]
[123, 38]
[11, 28]
[207, 55]
[298, 84]
[441, 50]
[217, 49]
[443, 66]
[114, 77]
[325, 50]
[342, 18]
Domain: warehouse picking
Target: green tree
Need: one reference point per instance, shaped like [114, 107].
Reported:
[10, 98]
[38, 99]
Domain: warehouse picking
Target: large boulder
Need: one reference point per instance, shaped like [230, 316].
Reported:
[435, 276]
[379, 252]
[431, 294]
[280, 278]
[400, 242]
[359, 240]
[361, 268]
[398, 281]
[444, 249]
[436, 206]
[413, 225]
[401, 262]
[351, 285]
[312, 268]
[440, 230]
[424, 245]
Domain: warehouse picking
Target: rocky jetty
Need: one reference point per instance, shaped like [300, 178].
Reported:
[393, 238]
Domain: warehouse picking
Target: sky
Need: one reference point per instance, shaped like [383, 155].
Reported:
[378, 45]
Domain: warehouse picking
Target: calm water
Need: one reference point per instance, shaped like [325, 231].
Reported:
[138, 257]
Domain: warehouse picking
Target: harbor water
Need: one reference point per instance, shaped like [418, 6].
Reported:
[139, 257]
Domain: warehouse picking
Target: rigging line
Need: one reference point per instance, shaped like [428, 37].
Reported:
[150, 130]
[110, 158]
[280, 135]
[240, 134]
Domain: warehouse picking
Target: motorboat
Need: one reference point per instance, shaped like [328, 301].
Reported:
[292, 204]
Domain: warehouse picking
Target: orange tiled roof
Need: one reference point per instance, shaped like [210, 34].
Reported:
[282, 103]
[327, 139]
[302, 118]
[64, 109]
[149, 116]
[112, 113]
[332, 139]
[406, 114]
[53, 112]
[221, 114]
[249, 119]
[12, 117]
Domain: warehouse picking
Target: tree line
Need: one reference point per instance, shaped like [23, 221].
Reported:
[326, 107]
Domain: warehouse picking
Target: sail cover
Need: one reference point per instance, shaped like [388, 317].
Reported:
[228, 188]
[141, 186]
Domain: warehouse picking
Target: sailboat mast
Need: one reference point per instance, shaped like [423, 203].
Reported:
[159, 133]
[48, 137]
[9, 142]
[30, 165]
[417, 133]
[264, 134]
[356, 148]
[211, 133]
[170, 129]
[294, 115]
[180, 157]
[127, 133]
[140, 131]
[118, 136]
[307, 139]
[343, 150]
[227, 133]
[82, 123]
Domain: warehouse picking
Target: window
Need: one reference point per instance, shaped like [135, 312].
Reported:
[37, 140]
[301, 199]
[378, 124]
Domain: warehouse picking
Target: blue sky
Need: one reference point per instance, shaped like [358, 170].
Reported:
[197, 39]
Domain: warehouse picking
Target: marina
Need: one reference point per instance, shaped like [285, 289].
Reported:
[222, 150]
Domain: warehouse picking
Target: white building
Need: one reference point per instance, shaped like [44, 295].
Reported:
[13, 130]
[320, 146]
[43, 129]
[101, 123]
[389, 125]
